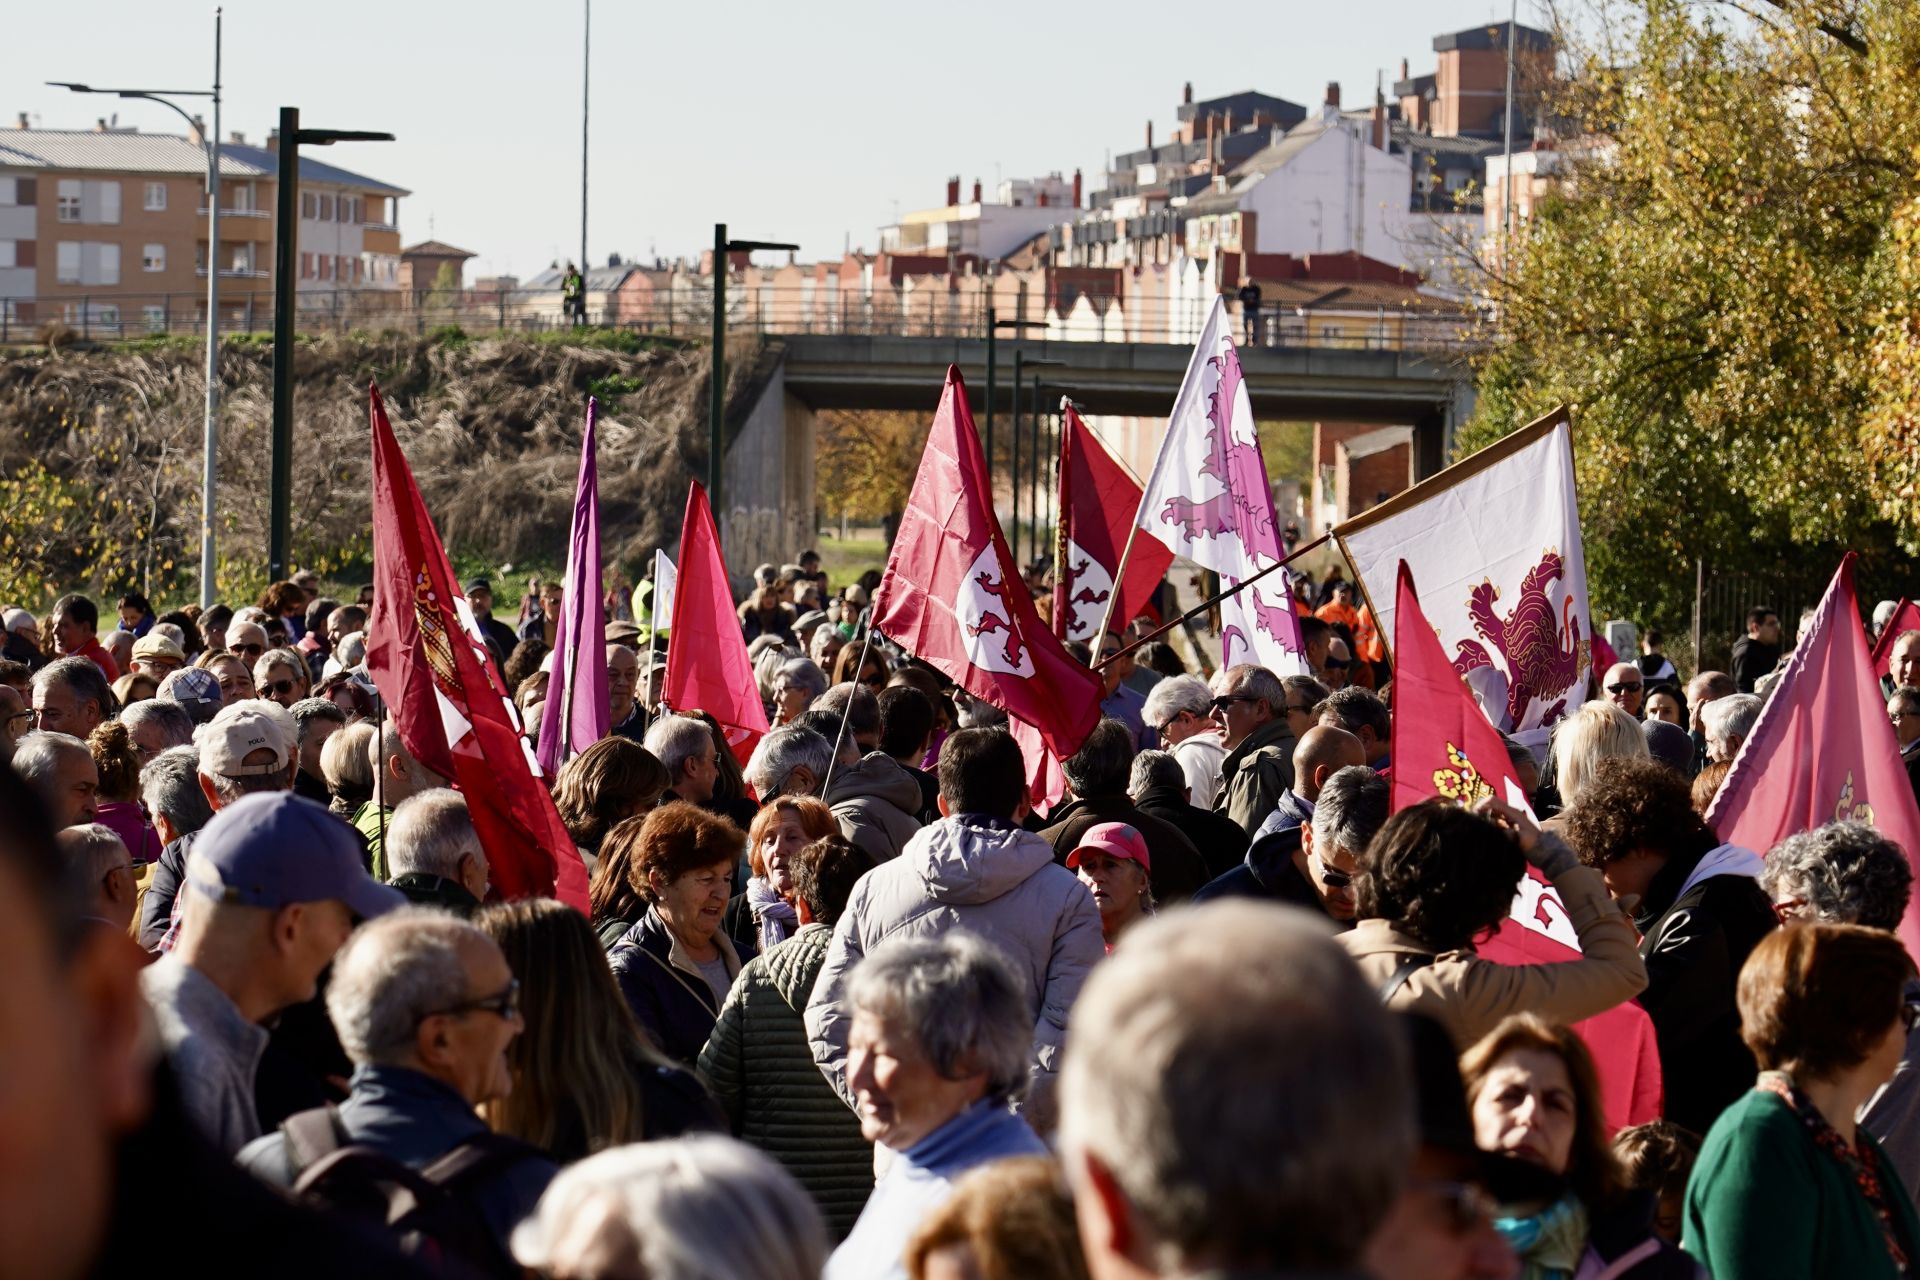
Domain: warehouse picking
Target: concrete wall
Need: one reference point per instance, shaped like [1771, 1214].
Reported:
[769, 483]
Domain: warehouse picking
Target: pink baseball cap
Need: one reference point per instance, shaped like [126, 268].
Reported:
[1116, 840]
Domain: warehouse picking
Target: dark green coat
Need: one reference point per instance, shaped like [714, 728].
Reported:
[760, 1070]
[1765, 1203]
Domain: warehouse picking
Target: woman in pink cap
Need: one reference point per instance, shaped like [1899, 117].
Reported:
[1111, 860]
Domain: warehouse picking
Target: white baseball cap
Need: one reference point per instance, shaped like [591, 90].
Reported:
[243, 728]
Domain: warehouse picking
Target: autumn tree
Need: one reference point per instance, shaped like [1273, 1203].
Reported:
[1724, 283]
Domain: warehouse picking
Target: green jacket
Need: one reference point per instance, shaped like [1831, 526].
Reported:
[1764, 1203]
[760, 1070]
[370, 820]
[1256, 774]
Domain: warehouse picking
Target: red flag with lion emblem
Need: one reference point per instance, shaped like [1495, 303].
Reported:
[431, 666]
[1444, 747]
[952, 597]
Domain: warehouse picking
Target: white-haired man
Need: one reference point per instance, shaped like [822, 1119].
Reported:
[434, 854]
[1250, 706]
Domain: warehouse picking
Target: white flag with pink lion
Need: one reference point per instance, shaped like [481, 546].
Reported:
[1208, 500]
[1494, 545]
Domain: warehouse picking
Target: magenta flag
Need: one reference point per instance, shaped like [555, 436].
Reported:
[1823, 750]
[575, 714]
[707, 666]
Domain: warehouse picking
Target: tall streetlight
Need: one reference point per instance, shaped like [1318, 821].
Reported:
[586, 66]
[717, 404]
[210, 143]
[994, 326]
[286, 242]
[1020, 361]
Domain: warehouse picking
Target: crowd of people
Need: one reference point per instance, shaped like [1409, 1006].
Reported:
[854, 1009]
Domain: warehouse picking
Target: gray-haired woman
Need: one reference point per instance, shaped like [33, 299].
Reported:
[684, 1209]
[940, 1043]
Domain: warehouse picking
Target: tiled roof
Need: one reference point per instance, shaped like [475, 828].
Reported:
[313, 170]
[435, 249]
[117, 153]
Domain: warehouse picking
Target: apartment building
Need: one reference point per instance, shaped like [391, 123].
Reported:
[106, 230]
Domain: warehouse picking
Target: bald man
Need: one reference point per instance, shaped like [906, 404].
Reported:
[1275, 867]
[1624, 687]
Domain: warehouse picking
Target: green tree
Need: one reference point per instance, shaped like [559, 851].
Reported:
[1723, 284]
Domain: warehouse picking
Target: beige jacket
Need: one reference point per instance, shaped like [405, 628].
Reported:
[1469, 996]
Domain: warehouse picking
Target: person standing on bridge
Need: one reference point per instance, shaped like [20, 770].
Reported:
[1250, 311]
[573, 295]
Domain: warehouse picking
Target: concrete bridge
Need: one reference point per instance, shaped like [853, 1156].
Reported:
[769, 478]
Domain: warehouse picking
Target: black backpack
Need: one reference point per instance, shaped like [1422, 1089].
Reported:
[429, 1211]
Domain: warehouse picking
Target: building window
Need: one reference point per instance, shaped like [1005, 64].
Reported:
[326, 208]
[7, 255]
[356, 270]
[9, 191]
[69, 200]
[153, 258]
[67, 262]
[109, 272]
[108, 199]
[326, 264]
[156, 197]
[306, 266]
[154, 317]
[309, 205]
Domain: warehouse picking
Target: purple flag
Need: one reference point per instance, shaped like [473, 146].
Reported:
[577, 689]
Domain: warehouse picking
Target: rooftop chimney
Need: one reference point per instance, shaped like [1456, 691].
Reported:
[273, 141]
[1076, 188]
[1186, 94]
[1149, 135]
[198, 134]
[953, 191]
[1379, 118]
[237, 138]
[976, 191]
[1404, 70]
[1333, 93]
[100, 125]
[22, 124]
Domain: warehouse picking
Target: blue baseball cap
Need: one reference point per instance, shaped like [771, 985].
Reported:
[273, 849]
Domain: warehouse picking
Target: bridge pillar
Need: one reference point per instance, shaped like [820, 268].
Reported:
[769, 483]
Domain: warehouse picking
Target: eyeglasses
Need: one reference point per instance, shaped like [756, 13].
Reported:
[18, 716]
[1328, 876]
[1226, 700]
[281, 687]
[505, 1006]
[1173, 720]
[1338, 664]
[250, 650]
[1624, 688]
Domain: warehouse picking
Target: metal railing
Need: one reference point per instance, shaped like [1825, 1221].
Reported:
[1079, 315]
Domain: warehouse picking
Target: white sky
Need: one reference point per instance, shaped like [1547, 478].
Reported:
[812, 123]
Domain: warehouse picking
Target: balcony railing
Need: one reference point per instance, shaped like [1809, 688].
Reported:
[236, 273]
[238, 213]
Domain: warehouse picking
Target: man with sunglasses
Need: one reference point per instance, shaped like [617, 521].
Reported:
[277, 883]
[247, 641]
[1623, 687]
[426, 1006]
[1250, 706]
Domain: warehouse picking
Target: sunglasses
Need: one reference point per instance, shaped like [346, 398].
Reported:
[281, 687]
[251, 650]
[1624, 688]
[1339, 664]
[1329, 877]
[505, 1006]
[1226, 700]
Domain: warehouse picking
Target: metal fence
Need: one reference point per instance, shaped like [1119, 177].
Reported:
[686, 309]
[1723, 598]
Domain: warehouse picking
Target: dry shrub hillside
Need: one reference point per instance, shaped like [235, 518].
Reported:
[100, 453]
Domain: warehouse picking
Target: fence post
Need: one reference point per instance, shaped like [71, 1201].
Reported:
[1699, 606]
[86, 317]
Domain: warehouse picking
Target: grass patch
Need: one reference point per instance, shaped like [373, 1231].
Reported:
[845, 559]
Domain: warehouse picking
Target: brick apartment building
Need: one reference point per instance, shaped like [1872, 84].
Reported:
[106, 230]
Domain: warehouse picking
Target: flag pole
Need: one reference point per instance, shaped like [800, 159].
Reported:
[653, 632]
[845, 714]
[1208, 603]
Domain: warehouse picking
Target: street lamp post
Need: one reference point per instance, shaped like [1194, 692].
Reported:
[286, 243]
[994, 326]
[1033, 487]
[209, 434]
[717, 399]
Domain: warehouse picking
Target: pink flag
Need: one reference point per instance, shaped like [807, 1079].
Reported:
[953, 598]
[1906, 617]
[707, 667]
[1823, 750]
[1445, 747]
[576, 710]
[1098, 500]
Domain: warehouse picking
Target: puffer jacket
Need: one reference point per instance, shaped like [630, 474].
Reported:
[761, 1072]
[875, 802]
[669, 997]
[994, 880]
[1255, 775]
